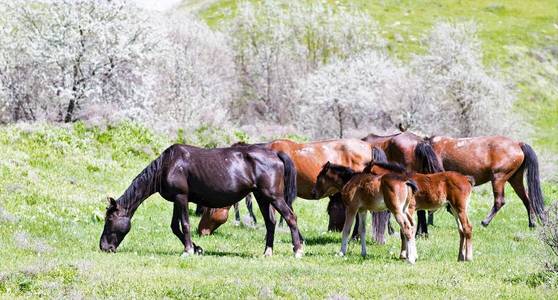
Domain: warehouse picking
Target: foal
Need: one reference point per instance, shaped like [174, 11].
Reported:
[435, 191]
[366, 192]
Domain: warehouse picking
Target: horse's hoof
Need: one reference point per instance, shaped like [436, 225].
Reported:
[532, 225]
[198, 250]
[187, 254]
[363, 255]
[403, 255]
[236, 223]
[268, 252]
[340, 254]
[299, 253]
[412, 261]
[485, 223]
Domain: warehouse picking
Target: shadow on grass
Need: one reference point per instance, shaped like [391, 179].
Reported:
[321, 240]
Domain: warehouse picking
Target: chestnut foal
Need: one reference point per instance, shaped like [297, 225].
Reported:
[366, 192]
[435, 191]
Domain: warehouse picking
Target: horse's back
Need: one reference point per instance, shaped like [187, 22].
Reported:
[480, 157]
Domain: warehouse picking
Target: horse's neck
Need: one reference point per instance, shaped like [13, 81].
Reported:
[133, 197]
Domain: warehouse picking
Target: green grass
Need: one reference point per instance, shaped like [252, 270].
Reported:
[53, 181]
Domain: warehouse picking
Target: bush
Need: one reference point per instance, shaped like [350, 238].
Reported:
[279, 42]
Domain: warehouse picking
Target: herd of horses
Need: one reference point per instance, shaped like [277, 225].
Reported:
[393, 175]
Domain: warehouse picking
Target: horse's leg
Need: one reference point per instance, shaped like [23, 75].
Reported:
[407, 229]
[403, 252]
[288, 215]
[391, 231]
[189, 247]
[461, 252]
[250, 207]
[175, 223]
[356, 230]
[350, 214]
[422, 227]
[431, 218]
[499, 201]
[236, 214]
[516, 182]
[336, 212]
[269, 219]
[362, 230]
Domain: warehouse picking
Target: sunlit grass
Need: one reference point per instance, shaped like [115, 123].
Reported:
[51, 220]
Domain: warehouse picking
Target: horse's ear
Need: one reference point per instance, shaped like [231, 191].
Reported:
[111, 202]
[327, 164]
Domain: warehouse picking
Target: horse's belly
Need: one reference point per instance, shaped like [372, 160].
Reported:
[374, 204]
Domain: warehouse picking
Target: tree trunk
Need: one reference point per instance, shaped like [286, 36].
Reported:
[70, 111]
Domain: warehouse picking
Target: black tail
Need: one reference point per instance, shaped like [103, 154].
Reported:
[290, 178]
[379, 224]
[411, 183]
[471, 180]
[379, 219]
[378, 155]
[425, 153]
[533, 181]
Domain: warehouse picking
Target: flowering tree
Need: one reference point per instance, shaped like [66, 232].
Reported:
[278, 42]
[59, 55]
[196, 78]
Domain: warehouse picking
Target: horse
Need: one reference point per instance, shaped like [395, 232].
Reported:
[363, 192]
[308, 159]
[497, 159]
[212, 178]
[212, 218]
[435, 191]
[408, 149]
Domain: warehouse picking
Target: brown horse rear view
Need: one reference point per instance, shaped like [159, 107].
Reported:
[496, 159]
[436, 190]
[365, 192]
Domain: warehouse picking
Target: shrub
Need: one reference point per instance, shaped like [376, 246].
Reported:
[278, 42]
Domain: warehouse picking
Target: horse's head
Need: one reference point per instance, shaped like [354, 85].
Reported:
[328, 182]
[117, 225]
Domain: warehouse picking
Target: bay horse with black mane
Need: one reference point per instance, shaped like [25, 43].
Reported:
[363, 192]
[212, 178]
[435, 191]
[497, 159]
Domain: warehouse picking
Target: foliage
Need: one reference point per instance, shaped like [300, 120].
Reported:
[445, 91]
[196, 78]
[278, 42]
[60, 55]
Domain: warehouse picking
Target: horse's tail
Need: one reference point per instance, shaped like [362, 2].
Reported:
[425, 153]
[471, 180]
[379, 224]
[290, 178]
[533, 181]
[413, 185]
[379, 219]
[378, 155]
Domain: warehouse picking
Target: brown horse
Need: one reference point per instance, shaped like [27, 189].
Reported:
[308, 159]
[435, 191]
[212, 178]
[407, 149]
[496, 159]
[362, 192]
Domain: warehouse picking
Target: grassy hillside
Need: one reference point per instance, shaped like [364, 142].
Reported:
[53, 181]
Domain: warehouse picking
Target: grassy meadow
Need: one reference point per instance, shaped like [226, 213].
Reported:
[53, 182]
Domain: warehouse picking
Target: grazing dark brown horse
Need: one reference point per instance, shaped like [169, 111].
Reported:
[308, 159]
[363, 192]
[496, 159]
[212, 178]
[435, 191]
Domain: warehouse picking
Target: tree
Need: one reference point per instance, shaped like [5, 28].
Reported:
[70, 53]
